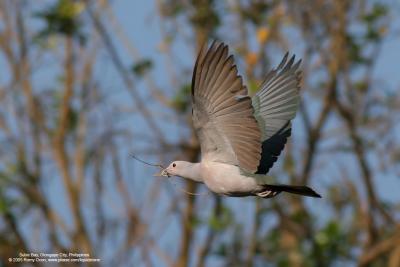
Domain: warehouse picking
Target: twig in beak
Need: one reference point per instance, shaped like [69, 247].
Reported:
[163, 173]
[147, 163]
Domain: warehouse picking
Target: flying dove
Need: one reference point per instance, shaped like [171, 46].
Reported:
[240, 136]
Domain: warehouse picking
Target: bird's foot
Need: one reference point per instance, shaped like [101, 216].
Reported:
[267, 193]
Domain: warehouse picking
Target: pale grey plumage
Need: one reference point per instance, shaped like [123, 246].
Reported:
[277, 101]
[240, 137]
[225, 125]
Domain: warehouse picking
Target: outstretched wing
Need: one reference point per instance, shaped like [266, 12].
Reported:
[223, 112]
[272, 148]
[275, 105]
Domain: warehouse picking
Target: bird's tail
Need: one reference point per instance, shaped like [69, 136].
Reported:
[294, 189]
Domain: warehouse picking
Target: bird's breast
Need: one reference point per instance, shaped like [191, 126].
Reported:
[227, 179]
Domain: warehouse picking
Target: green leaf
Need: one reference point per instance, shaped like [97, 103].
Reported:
[222, 220]
[194, 222]
[205, 17]
[62, 18]
[256, 12]
[372, 34]
[361, 86]
[221, 250]
[73, 117]
[355, 50]
[181, 101]
[3, 206]
[378, 11]
[253, 86]
[142, 67]
[5, 203]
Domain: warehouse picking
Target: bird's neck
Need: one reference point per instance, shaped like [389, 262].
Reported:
[193, 172]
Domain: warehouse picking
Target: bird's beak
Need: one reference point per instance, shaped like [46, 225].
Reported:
[163, 173]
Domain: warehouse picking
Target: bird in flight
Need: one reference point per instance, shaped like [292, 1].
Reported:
[240, 136]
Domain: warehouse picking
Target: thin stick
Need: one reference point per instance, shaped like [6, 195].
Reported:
[187, 192]
[147, 163]
[162, 167]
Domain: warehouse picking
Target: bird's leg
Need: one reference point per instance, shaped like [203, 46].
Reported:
[267, 193]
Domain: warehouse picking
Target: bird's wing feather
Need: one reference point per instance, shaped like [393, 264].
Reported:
[223, 112]
[275, 105]
[272, 148]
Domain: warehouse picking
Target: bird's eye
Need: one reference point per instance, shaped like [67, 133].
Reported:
[174, 165]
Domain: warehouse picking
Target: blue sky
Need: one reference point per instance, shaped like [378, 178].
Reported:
[140, 22]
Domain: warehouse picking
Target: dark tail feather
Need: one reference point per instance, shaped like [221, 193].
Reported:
[294, 189]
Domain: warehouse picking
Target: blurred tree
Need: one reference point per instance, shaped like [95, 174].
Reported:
[64, 181]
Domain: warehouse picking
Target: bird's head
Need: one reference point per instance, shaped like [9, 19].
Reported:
[175, 168]
[183, 169]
